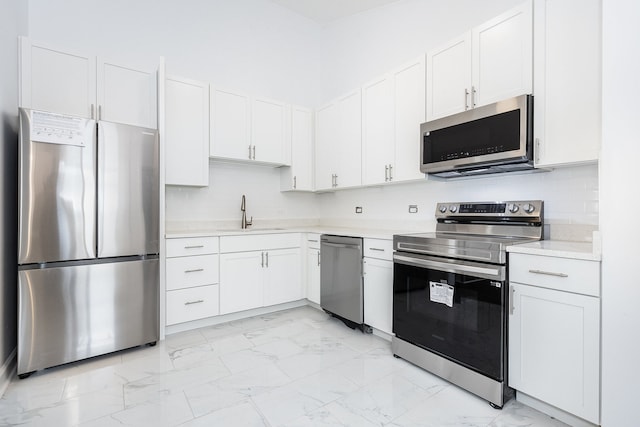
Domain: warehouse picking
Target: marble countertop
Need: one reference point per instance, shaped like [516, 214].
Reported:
[342, 231]
[560, 249]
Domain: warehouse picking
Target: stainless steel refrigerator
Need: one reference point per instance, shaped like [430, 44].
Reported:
[88, 273]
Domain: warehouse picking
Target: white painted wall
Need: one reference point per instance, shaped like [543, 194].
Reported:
[570, 196]
[619, 178]
[12, 24]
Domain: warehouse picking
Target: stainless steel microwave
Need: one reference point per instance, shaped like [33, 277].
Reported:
[490, 139]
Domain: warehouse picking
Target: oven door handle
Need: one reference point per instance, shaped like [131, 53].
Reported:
[459, 267]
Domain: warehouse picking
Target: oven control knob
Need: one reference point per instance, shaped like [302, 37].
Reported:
[514, 208]
[529, 208]
[453, 208]
[443, 209]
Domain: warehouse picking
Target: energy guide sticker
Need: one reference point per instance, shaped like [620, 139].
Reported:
[441, 293]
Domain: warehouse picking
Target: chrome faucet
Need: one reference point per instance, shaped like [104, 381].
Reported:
[243, 208]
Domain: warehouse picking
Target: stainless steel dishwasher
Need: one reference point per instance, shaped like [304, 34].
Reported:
[341, 287]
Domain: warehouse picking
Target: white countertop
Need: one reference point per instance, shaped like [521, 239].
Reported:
[559, 248]
[342, 231]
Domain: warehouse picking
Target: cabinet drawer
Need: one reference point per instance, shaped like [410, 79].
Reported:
[564, 274]
[378, 248]
[258, 242]
[192, 246]
[313, 240]
[184, 305]
[187, 272]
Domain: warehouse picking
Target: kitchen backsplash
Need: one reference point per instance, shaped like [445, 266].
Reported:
[570, 196]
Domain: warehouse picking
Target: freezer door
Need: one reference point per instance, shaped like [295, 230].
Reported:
[128, 190]
[75, 312]
[56, 194]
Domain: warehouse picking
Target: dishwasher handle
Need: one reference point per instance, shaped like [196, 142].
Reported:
[341, 245]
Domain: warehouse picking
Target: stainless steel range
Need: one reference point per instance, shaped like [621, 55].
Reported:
[450, 292]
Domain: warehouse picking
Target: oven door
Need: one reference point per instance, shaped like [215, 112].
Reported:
[453, 308]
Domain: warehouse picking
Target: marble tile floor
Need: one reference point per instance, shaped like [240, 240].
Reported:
[297, 367]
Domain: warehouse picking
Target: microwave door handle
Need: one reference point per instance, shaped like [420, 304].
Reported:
[457, 268]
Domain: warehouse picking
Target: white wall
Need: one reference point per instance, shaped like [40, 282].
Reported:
[12, 23]
[619, 179]
[570, 196]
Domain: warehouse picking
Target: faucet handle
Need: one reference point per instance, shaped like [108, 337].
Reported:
[250, 222]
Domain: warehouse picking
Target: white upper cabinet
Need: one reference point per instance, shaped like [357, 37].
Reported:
[502, 50]
[299, 177]
[493, 61]
[567, 81]
[126, 95]
[349, 148]
[187, 132]
[326, 141]
[55, 80]
[409, 114]
[249, 129]
[393, 107]
[270, 131]
[66, 82]
[230, 132]
[449, 78]
[339, 143]
[377, 130]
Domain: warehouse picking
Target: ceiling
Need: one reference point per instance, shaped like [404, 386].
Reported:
[326, 11]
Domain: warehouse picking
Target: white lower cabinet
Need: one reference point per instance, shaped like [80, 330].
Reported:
[554, 333]
[241, 278]
[192, 273]
[378, 284]
[313, 268]
[188, 304]
[282, 278]
[252, 278]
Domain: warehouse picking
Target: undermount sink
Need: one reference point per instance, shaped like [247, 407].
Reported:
[250, 229]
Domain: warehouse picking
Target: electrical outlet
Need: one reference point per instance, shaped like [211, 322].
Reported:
[413, 208]
[358, 209]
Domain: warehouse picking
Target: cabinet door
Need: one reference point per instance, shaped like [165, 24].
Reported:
[326, 141]
[409, 114]
[554, 348]
[126, 95]
[300, 175]
[567, 82]
[241, 281]
[270, 131]
[449, 78]
[348, 154]
[56, 80]
[378, 294]
[503, 56]
[377, 130]
[283, 278]
[313, 275]
[230, 125]
[187, 132]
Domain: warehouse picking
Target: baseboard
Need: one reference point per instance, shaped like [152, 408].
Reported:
[7, 372]
[215, 320]
[552, 411]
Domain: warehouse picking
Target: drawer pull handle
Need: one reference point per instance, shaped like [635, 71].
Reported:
[194, 247]
[195, 270]
[548, 273]
[376, 249]
[194, 302]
